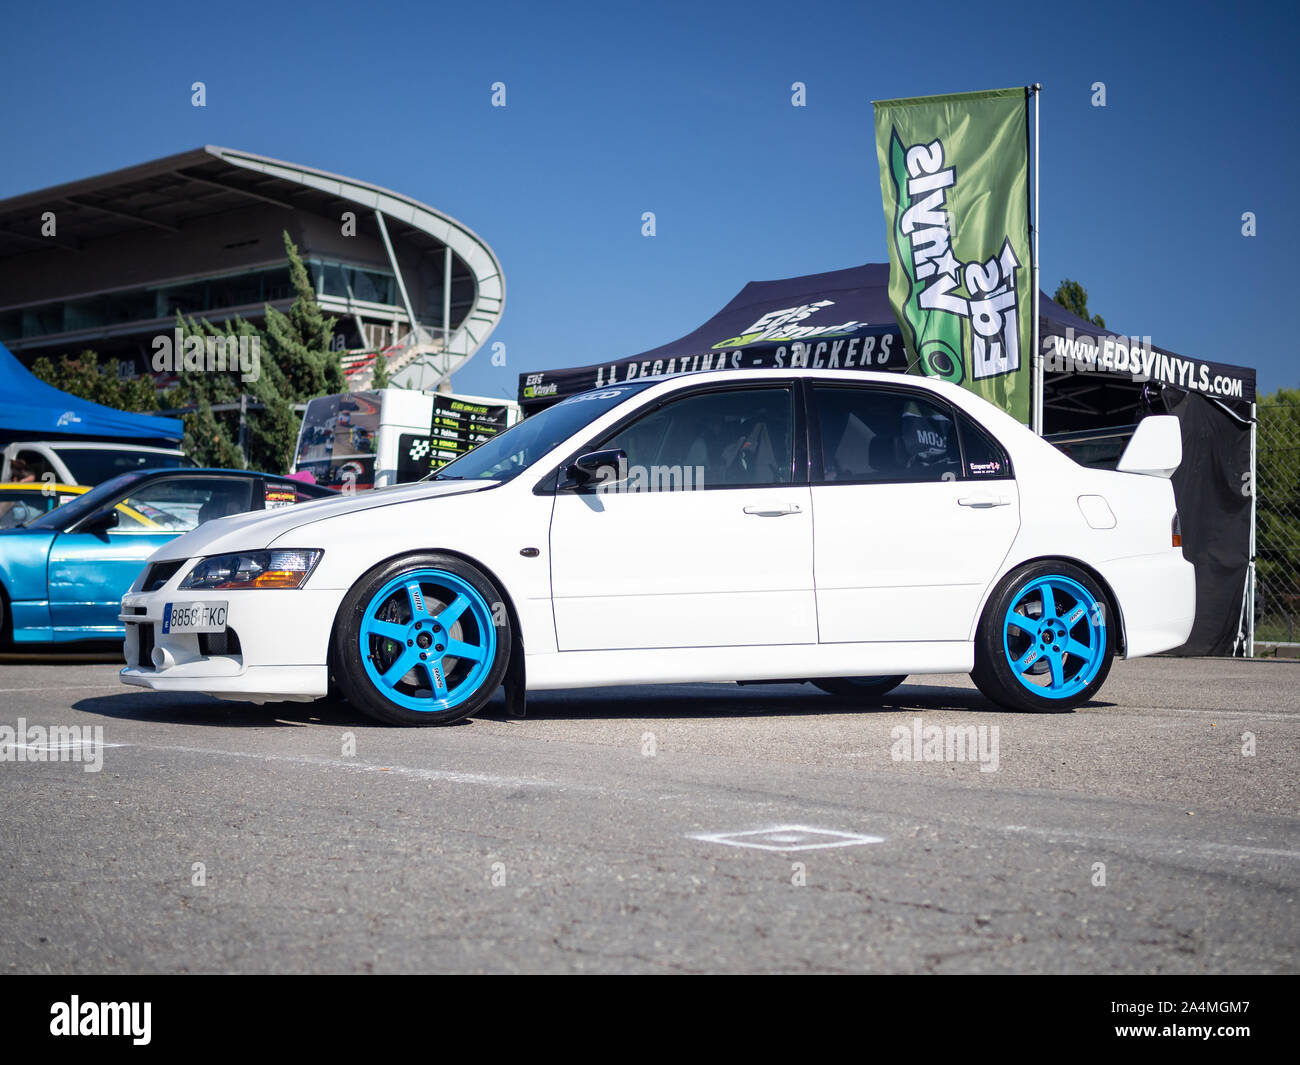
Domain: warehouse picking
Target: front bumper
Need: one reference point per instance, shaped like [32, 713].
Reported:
[275, 647]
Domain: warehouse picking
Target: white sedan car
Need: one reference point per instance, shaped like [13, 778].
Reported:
[840, 527]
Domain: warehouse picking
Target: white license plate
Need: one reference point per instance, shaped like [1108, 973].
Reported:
[194, 617]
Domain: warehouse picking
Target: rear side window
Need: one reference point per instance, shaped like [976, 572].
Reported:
[876, 435]
[985, 458]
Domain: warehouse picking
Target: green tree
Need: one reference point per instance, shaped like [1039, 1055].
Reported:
[1074, 298]
[84, 376]
[299, 341]
[207, 440]
[380, 379]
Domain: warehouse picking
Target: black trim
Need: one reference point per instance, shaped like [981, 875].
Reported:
[159, 574]
[802, 435]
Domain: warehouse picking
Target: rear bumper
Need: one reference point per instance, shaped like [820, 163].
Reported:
[1157, 600]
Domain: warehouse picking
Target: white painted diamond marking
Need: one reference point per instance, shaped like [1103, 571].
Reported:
[788, 838]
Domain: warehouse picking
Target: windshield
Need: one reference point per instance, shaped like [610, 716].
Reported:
[90, 465]
[507, 455]
[64, 516]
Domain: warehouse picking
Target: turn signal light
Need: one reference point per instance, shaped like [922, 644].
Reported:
[1176, 530]
[275, 578]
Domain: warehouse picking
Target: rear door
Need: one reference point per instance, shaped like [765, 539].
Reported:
[914, 508]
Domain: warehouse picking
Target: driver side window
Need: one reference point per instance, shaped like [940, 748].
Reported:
[720, 439]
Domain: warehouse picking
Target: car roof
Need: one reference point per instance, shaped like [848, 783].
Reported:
[759, 373]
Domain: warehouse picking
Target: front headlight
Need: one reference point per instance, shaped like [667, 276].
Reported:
[253, 569]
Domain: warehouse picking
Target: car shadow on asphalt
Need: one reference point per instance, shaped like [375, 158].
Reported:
[750, 700]
[685, 701]
[177, 708]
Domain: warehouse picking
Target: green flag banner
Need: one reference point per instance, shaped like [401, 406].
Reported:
[954, 177]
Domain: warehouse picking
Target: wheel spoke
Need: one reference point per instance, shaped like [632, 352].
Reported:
[415, 597]
[1049, 600]
[400, 668]
[460, 649]
[1056, 661]
[1024, 624]
[390, 630]
[452, 613]
[1025, 660]
[1079, 650]
[1075, 615]
[437, 678]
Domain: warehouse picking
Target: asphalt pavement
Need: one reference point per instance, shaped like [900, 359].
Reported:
[691, 828]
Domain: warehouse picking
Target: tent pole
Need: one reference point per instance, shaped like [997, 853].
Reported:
[1036, 364]
[1250, 566]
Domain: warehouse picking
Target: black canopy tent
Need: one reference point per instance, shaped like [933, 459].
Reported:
[842, 316]
[1097, 386]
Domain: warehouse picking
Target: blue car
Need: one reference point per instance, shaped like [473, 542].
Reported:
[63, 574]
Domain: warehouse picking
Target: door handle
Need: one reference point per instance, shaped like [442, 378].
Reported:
[773, 510]
[984, 501]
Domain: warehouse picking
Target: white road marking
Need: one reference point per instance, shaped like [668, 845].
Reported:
[788, 838]
[1263, 714]
[1157, 844]
[443, 775]
[65, 688]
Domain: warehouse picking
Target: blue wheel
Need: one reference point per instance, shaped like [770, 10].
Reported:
[422, 641]
[1045, 641]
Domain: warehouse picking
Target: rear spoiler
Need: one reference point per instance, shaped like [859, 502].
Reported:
[1156, 448]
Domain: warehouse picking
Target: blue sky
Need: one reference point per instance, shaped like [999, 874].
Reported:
[684, 109]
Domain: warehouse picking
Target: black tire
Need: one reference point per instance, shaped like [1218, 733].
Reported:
[1050, 648]
[381, 598]
[858, 687]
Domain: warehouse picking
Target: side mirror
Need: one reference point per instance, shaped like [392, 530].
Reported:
[1156, 448]
[101, 521]
[594, 469]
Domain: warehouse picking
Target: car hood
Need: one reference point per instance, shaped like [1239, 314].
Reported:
[260, 528]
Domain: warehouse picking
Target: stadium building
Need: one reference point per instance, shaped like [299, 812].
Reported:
[108, 262]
